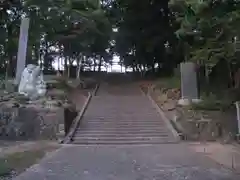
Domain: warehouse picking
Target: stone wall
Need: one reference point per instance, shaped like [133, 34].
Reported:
[30, 123]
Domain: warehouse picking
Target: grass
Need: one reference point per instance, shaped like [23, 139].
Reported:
[62, 84]
[213, 103]
[169, 83]
[214, 100]
[19, 161]
[5, 170]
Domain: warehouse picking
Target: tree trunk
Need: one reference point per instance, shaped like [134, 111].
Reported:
[7, 70]
[59, 62]
[94, 63]
[41, 60]
[10, 66]
[78, 69]
[100, 64]
[133, 68]
[65, 66]
[69, 66]
[230, 83]
[10, 51]
[153, 68]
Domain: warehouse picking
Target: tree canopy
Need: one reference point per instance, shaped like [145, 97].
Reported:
[146, 35]
[208, 28]
[67, 28]
[143, 34]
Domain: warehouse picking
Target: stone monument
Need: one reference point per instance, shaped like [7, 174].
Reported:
[22, 49]
[189, 85]
[238, 116]
[32, 84]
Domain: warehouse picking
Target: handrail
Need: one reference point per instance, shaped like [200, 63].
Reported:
[69, 137]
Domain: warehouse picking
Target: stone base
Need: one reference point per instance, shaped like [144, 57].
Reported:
[187, 102]
[196, 101]
[184, 102]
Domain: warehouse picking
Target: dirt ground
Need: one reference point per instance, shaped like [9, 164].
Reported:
[227, 155]
[11, 147]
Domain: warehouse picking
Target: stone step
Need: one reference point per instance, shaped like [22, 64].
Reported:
[138, 131]
[115, 128]
[124, 110]
[127, 114]
[124, 113]
[120, 101]
[121, 104]
[118, 124]
[117, 104]
[135, 117]
[120, 116]
[125, 97]
[121, 122]
[120, 135]
[124, 142]
[162, 138]
[102, 126]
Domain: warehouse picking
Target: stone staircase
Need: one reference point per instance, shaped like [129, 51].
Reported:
[122, 115]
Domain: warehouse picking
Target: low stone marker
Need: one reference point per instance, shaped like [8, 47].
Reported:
[238, 117]
[189, 86]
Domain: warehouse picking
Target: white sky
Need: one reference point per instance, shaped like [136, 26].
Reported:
[115, 67]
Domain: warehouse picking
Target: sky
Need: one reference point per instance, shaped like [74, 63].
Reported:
[115, 67]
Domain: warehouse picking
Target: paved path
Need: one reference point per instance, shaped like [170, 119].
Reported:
[125, 162]
[151, 162]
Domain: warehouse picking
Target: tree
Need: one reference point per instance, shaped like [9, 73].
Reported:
[66, 27]
[208, 28]
[141, 37]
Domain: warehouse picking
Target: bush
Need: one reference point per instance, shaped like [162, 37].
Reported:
[169, 83]
[62, 84]
[5, 170]
[212, 103]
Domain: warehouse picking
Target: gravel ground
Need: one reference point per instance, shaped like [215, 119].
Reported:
[159, 162]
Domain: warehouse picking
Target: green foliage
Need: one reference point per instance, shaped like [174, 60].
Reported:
[72, 27]
[2, 82]
[208, 28]
[62, 85]
[212, 103]
[19, 161]
[170, 83]
[141, 37]
[4, 169]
